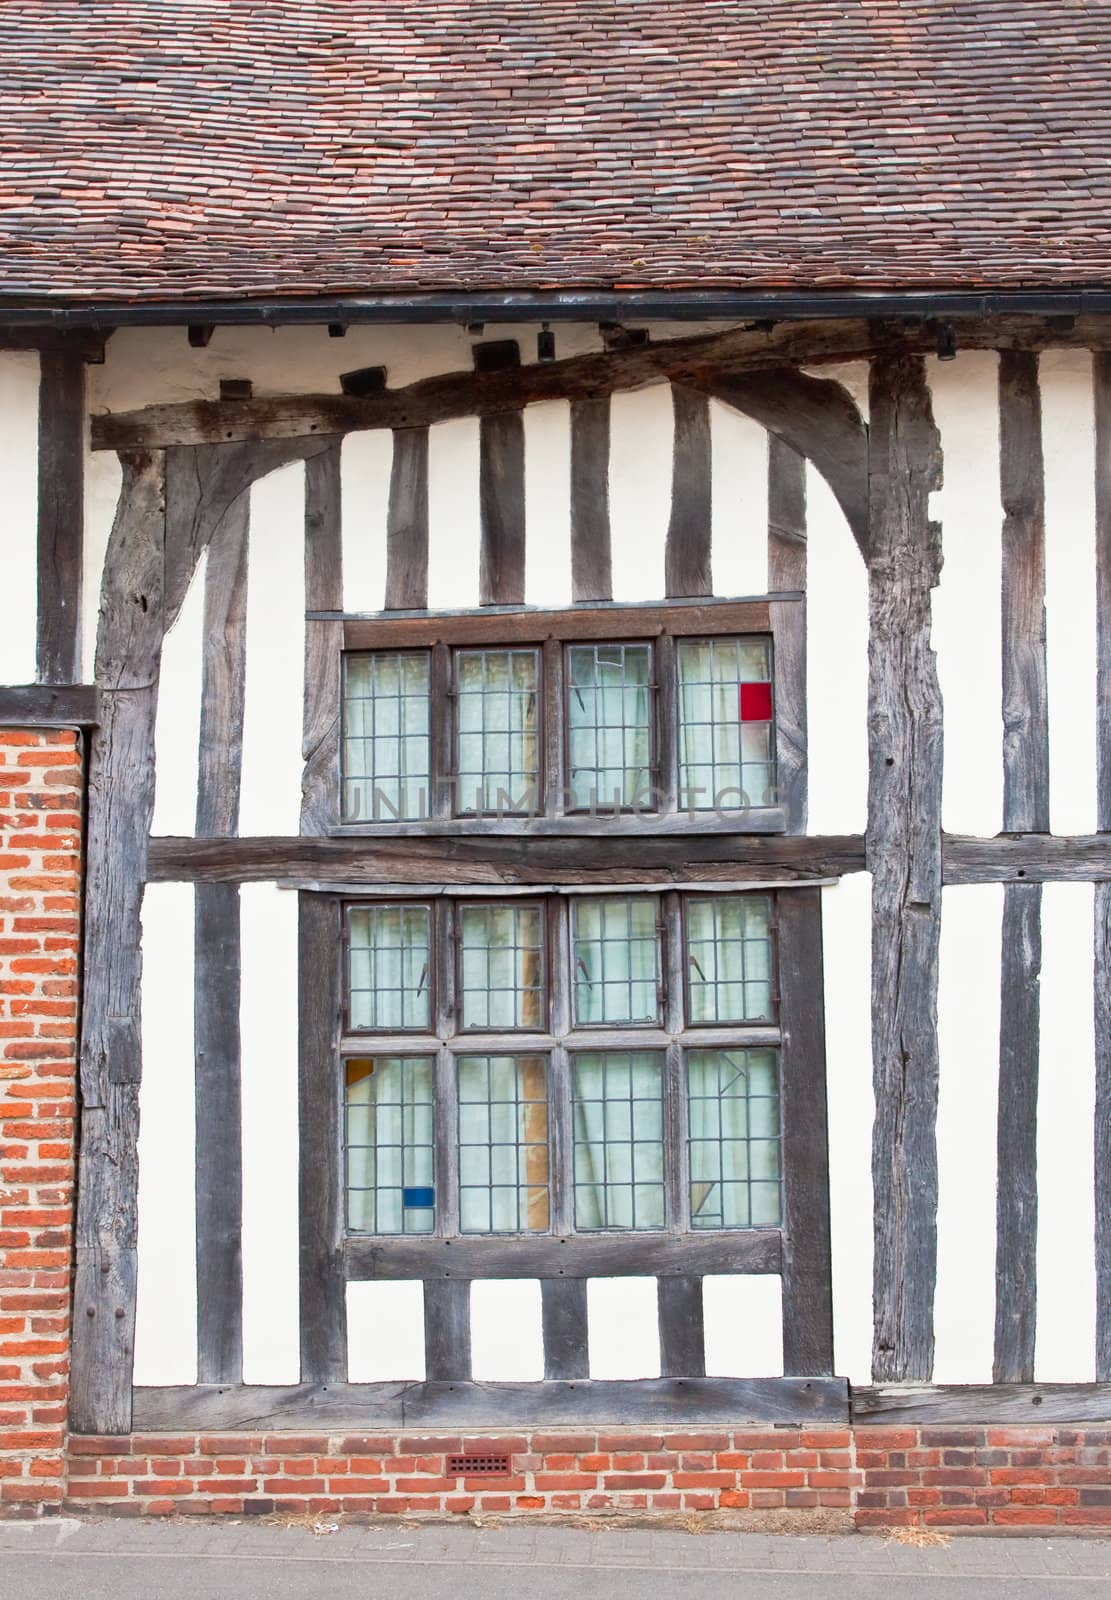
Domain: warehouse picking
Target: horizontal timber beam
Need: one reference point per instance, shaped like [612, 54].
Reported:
[1035, 1403]
[548, 1256]
[454, 858]
[48, 705]
[671, 1401]
[466, 393]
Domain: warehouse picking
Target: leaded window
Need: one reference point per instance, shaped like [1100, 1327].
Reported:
[497, 730]
[502, 959]
[503, 1144]
[616, 958]
[390, 963]
[390, 1145]
[726, 754]
[733, 1099]
[386, 749]
[619, 1154]
[609, 726]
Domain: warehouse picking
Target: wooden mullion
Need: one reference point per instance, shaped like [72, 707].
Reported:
[552, 724]
[407, 522]
[666, 708]
[682, 1332]
[441, 802]
[687, 551]
[323, 1308]
[61, 514]
[447, 1330]
[676, 1185]
[563, 1307]
[591, 557]
[445, 1020]
[446, 1137]
[807, 1261]
[561, 1141]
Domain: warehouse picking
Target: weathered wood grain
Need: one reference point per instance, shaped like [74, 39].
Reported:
[447, 1330]
[1037, 1404]
[120, 804]
[649, 1401]
[904, 856]
[407, 522]
[320, 730]
[501, 500]
[42, 705]
[787, 572]
[1016, 1231]
[540, 1255]
[1028, 858]
[563, 1314]
[219, 1158]
[1102, 379]
[502, 627]
[224, 674]
[61, 514]
[591, 546]
[807, 1270]
[1025, 695]
[682, 1335]
[687, 550]
[323, 1306]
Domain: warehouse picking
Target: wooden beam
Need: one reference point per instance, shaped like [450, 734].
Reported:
[564, 1317]
[320, 732]
[447, 1330]
[41, 705]
[61, 514]
[86, 344]
[690, 360]
[541, 1255]
[533, 627]
[1028, 858]
[904, 856]
[682, 1334]
[591, 546]
[407, 522]
[120, 804]
[787, 572]
[323, 1305]
[676, 1402]
[687, 551]
[1102, 915]
[807, 1270]
[1035, 1404]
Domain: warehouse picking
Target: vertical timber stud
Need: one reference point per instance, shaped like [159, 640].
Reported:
[591, 548]
[120, 804]
[1103, 890]
[501, 488]
[320, 781]
[682, 1333]
[1025, 810]
[564, 1318]
[323, 1286]
[687, 551]
[807, 1265]
[904, 858]
[787, 571]
[407, 522]
[61, 503]
[217, 964]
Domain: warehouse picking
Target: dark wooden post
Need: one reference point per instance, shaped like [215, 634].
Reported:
[904, 857]
[61, 500]
[1103, 890]
[786, 572]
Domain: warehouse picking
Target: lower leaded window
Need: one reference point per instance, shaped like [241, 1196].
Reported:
[584, 1063]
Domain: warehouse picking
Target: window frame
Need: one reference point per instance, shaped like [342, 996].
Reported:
[550, 634]
[773, 935]
[477, 902]
[656, 734]
[414, 903]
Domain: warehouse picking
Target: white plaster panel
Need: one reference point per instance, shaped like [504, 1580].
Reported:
[454, 531]
[967, 625]
[166, 1309]
[268, 1029]
[1068, 425]
[739, 504]
[548, 504]
[365, 463]
[507, 1338]
[385, 1332]
[19, 448]
[1065, 1351]
[743, 1322]
[270, 800]
[836, 666]
[968, 1047]
[642, 433]
[177, 728]
[623, 1327]
[103, 477]
[846, 959]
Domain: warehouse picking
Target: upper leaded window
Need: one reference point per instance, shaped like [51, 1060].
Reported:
[390, 954]
[609, 726]
[497, 734]
[726, 755]
[386, 754]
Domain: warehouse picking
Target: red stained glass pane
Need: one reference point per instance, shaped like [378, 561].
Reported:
[756, 702]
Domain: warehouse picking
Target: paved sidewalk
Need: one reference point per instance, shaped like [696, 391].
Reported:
[117, 1560]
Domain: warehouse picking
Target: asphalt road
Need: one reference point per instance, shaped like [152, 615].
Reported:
[115, 1560]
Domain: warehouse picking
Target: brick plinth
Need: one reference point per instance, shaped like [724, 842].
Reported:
[40, 845]
[1002, 1478]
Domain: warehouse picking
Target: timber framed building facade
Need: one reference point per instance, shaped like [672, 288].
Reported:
[592, 814]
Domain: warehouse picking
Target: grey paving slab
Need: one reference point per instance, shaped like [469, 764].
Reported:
[115, 1560]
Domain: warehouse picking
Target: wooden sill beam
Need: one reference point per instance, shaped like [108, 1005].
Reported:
[48, 705]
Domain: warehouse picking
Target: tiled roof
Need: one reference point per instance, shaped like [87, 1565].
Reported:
[156, 149]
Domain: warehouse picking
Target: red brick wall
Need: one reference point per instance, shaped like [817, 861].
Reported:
[1006, 1478]
[40, 843]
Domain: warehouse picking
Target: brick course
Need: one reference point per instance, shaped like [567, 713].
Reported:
[40, 845]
